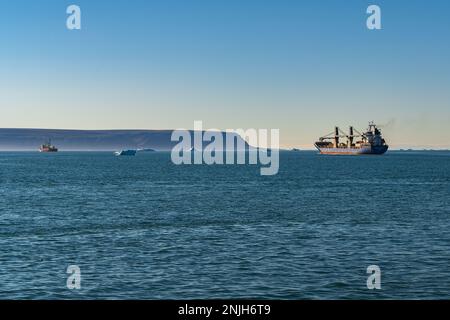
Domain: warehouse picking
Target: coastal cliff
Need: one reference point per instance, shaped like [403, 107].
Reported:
[89, 140]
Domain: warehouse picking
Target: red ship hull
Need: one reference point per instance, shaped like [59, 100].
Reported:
[46, 149]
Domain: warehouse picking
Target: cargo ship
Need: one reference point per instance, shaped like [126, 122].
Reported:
[353, 143]
[48, 147]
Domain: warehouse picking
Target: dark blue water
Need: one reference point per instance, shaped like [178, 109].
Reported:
[143, 228]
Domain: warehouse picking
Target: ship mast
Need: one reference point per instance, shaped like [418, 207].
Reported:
[336, 137]
[350, 137]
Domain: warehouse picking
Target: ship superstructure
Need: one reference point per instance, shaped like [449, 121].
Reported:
[339, 142]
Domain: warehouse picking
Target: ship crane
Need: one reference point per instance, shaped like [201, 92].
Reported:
[332, 135]
[362, 135]
[338, 133]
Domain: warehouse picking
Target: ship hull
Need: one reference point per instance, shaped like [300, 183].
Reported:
[379, 150]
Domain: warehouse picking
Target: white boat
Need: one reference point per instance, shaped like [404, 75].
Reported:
[125, 153]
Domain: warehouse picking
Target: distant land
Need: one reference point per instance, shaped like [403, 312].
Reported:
[89, 140]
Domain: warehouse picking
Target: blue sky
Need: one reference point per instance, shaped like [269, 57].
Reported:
[300, 66]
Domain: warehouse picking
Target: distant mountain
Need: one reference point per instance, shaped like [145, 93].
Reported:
[91, 140]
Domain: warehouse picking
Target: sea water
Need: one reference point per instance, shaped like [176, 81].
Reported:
[143, 228]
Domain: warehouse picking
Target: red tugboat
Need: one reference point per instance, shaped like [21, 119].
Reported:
[48, 147]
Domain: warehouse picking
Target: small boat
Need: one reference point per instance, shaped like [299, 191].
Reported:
[125, 153]
[48, 147]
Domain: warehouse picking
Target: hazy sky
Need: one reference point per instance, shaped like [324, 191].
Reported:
[300, 66]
